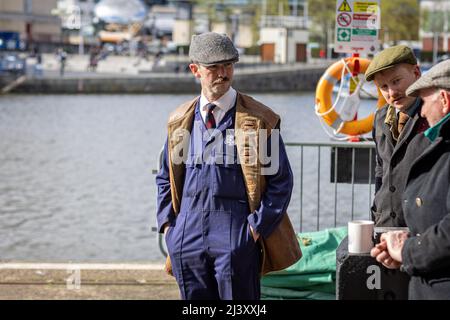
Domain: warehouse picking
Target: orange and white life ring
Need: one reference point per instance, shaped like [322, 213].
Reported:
[324, 95]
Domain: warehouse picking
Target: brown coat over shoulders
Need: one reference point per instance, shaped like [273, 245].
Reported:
[281, 248]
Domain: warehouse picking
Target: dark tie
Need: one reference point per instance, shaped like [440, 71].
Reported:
[421, 125]
[402, 119]
[210, 122]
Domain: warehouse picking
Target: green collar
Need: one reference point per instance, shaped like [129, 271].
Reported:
[432, 132]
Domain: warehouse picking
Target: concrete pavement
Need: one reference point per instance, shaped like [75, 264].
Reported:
[67, 281]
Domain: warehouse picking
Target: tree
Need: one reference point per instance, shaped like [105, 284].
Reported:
[216, 10]
[267, 7]
[323, 15]
[277, 7]
[222, 10]
[435, 20]
[400, 20]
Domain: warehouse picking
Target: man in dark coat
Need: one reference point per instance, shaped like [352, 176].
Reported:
[424, 252]
[396, 124]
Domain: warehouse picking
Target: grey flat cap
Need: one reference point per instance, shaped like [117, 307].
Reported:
[212, 48]
[437, 77]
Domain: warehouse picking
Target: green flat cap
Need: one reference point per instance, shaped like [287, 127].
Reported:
[388, 58]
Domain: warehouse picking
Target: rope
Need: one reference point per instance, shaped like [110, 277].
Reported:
[333, 136]
[368, 93]
[317, 107]
[359, 87]
[359, 81]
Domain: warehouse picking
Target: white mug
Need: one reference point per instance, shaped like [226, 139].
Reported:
[360, 236]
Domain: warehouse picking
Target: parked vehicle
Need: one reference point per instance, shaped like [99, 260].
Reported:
[12, 63]
[9, 40]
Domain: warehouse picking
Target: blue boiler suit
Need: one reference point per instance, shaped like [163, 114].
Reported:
[211, 248]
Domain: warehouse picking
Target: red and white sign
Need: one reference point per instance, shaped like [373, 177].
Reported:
[357, 26]
[368, 21]
[344, 19]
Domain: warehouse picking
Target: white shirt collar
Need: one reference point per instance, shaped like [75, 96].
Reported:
[225, 102]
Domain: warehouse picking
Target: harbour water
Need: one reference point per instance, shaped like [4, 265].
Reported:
[76, 180]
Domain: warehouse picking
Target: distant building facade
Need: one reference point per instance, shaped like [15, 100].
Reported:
[283, 39]
[32, 19]
[434, 31]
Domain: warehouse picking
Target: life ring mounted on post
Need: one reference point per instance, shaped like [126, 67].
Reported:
[324, 97]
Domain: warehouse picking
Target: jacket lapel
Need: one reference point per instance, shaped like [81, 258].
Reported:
[387, 132]
[406, 133]
[246, 129]
[179, 140]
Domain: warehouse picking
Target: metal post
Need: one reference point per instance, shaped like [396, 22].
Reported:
[445, 35]
[353, 180]
[301, 188]
[305, 12]
[81, 44]
[335, 184]
[370, 183]
[79, 12]
[309, 179]
[435, 46]
[328, 49]
[318, 188]
[235, 28]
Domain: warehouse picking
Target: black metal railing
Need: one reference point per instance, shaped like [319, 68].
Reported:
[351, 164]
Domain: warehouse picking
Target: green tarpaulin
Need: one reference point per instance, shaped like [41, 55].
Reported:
[314, 275]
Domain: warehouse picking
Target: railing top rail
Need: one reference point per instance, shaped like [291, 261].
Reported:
[356, 145]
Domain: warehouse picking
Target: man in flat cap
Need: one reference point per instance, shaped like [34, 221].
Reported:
[221, 201]
[396, 128]
[424, 252]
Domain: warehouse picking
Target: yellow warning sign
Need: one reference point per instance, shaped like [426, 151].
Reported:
[344, 7]
[367, 7]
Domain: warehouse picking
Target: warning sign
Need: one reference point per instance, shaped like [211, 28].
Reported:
[369, 21]
[344, 19]
[367, 7]
[357, 26]
[363, 34]
[344, 7]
